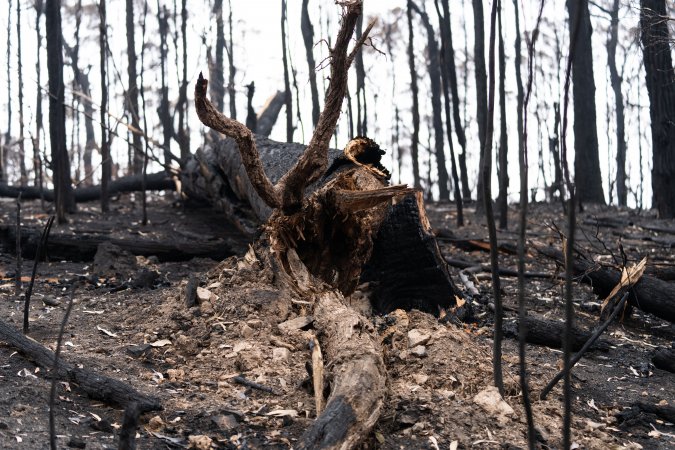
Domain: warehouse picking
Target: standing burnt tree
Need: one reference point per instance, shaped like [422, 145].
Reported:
[415, 137]
[481, 90]
[63, 191]
[587, 175]
[661, 88]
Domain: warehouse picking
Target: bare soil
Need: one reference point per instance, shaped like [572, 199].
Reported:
[235, 331]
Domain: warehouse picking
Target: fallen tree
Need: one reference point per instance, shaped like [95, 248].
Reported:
[319, 236]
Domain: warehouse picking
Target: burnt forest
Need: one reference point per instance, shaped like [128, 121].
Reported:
[347, 224]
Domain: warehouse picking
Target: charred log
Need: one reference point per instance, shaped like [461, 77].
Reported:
[550, 333]
[96, 386]
[133, 183]
[649, 294]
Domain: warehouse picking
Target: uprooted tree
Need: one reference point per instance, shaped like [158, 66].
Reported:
[329, 230]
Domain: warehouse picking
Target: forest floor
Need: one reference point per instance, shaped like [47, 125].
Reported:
[242, 327]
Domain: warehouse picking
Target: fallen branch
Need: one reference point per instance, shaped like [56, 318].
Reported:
[98, 387]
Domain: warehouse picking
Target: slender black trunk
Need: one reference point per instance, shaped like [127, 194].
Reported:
[308, 38]
[481, 90]
[414, 143]
[615, 79]
[288, 99]
[136, 149]
[503, 174]
[63, 191]
[19, 68]
[106, 164]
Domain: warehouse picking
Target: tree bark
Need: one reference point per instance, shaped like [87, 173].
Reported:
[452, 77]
[217, 69]
[308, 38]
[414, 143]
[587, 175]
[615, 79]
[361, 106]
[232, 72]
[503, 174]
[136, 146]
[661, 88]
[19, 69]
[288, 99]
[163, 109]
[481, 91]
[106, 163]
[57, 113]
[37, 159]
[435, 81]
[183, 136]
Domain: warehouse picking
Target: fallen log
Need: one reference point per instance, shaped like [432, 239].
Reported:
[96, 386]
[664, 359]
[550, 333]
[649, 294]
[132, 183]
[83, 246]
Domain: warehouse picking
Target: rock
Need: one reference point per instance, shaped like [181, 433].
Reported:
[225, 422]
[245, 331]
[281, 353]
[49, 300]
[420, 378]
[493, 403]
[200, 442]
[111, 261]
[417, 337]
[295, 324]
[255, 323]
[420, 351]
[204, 294]
[156, 424]
[76, 442]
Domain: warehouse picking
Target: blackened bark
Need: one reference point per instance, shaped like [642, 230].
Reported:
[57, 112]
[661, 87]
[4, 149]
[308, 38]
[163, 110]
[435, 81]
[444, 25]
[615, 79]
[503, 174]
[106, 163]
[452, 78]
[251, 118]
[587, 175]
[37, 159]
[183, 136]
[414, 143]
[22, 151]
[520, 95]
[217, 70]
[233, 70]
[287, 81]
[481, 89]
[136, 149]
[361, 108]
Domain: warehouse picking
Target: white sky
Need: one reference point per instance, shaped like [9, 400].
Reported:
[257, 54]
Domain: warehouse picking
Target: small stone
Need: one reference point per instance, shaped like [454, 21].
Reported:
[204, 294]
[490, 400]
[417, 337]
[420, 378]
[281, 353]
[200, 442]
[50, 301]
[225, 422]
[245, 331]
[295, 324]
[420, 351]
[207, 308]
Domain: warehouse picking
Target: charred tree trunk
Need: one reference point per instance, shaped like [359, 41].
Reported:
[217, 70]
[37, 159]
[57, 113]
[435, 81]
[481, 90]
[19, 69]
[661, 87]
[414, 142]
[251, 118]
[4, 149]
[136, 149]
[361, 108]
[452, 78]
[445, 56]
[503, 174]
[308, 38]
[288, 99]
[615, 79]
[232, 72]
[587, 175]
[183, 136]
[163, 110]
[106, 163]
